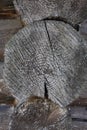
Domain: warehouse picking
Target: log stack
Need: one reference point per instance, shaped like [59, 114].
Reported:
[46, 63]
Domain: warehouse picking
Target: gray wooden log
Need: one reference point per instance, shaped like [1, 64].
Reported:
[37, 113]
[7, 29]
[71, 11]
[6, 97]
[79, 113]
[5, 116]
[51, 52]
[83, 29]
[7, 9]
[1, 70]
[79, 125]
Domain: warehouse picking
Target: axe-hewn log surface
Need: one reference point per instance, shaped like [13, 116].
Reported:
[71, 11]
[51, 52]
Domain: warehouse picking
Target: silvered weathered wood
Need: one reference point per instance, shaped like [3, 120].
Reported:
[83, 29]
[7, 29]
[51, 52]
[6, 97]
[37, 113]
[72, 11]
[5, 115]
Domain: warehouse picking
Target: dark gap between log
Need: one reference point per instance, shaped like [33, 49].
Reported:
[78, 119]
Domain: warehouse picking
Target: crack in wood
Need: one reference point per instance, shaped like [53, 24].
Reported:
[76, 26]
[45, 90]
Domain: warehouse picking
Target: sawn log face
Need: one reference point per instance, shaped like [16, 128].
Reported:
[51, 52]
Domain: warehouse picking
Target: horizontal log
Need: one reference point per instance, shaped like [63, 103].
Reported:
[5, 116]
[71, 11]
[79, 113]
[7, 10]
[6, 3]
[79, 125]
[7, 29]
[1, 68]
[6, 96]
[39, 113]
[80, 102]
[83, 29]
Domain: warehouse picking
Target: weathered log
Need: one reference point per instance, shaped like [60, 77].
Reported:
[79, 113]
[7, 9]
[71, 11]
[7, 29]
[37, 113]
[82, 102]
[5, 116]
[51, 52]
[6, 97]
[1, 70]
[83, 29]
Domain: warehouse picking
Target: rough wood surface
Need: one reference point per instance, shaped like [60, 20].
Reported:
[79, 113]
[1, 70]
[79, 117]
[51, 52]
[83, 29]
[6, 96]
[80, 102]
[7, 29]
[5, 116]
[72, 11]
[7, 9]
[37, 113]
[79, 125]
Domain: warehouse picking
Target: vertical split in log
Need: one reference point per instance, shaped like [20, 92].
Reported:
[45, 91]
[29, 57]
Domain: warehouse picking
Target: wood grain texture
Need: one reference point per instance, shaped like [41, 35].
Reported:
[6, 96]
[37, 113]
[51, 52]
[83, 29]
[71, 11]
[79, 125]
[5, 116]
[1, 70]
[79, 113]
[7, 29]
[7, 10]
[82, 102]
